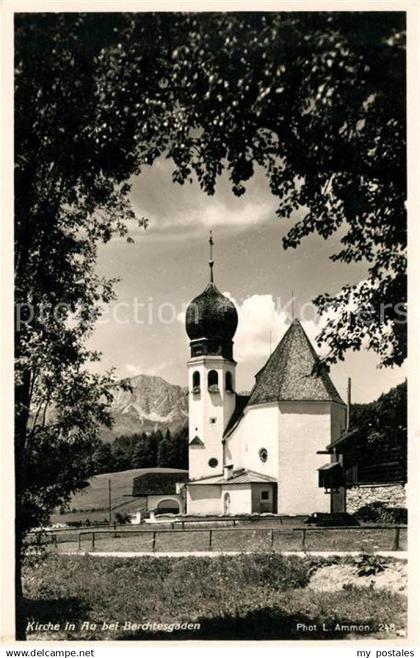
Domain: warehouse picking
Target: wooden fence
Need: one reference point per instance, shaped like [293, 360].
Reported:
[269, 534]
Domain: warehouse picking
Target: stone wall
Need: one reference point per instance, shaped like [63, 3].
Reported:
[391, 494]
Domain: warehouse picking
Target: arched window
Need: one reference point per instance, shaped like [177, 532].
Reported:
[226, 503]
[229, 384]
[168, 506]
[196, 380]
[213, 380]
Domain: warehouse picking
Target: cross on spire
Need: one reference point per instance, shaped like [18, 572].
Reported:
[211, 261]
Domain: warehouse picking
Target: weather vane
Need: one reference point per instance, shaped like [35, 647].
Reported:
[211, 261]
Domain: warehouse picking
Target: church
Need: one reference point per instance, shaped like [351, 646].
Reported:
[259, 453]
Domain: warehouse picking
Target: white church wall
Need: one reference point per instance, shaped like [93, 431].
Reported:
[240, 498]
[199, 457]
[233, 448]
[259, 428]
[204, 499]
[305, 428]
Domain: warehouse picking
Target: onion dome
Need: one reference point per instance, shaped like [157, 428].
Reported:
[211, 320]
[211, 315]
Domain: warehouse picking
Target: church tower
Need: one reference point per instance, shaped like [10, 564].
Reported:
[211, 321]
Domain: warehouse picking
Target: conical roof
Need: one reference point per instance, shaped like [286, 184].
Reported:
[289, 372]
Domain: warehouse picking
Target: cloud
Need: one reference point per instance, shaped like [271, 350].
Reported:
[263, 321]
[134, 369]
[187, 209]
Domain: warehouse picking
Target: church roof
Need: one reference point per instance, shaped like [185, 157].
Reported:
[211, 315]
[289, 373]
[241, 476]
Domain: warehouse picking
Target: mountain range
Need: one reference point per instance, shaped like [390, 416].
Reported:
[147, 404]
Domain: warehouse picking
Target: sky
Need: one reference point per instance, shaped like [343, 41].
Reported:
[167, 266]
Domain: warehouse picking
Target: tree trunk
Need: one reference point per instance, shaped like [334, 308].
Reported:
[21, 423]
[20, 621]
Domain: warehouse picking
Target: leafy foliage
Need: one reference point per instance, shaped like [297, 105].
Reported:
[378, 512]
[382, 428]
[316, 99]
[369, 565]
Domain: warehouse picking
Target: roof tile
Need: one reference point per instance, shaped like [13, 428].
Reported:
[289, 373]
[241, 476]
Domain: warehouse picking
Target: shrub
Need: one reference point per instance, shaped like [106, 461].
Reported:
[270, 570]
[378, 512]
[122, 518]
[369, 565]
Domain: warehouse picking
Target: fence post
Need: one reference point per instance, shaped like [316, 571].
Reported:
[210, 538]
[271, 538]
[303, 538]
[93, 540]
[154, 541]
[79, 542]
[396, 546]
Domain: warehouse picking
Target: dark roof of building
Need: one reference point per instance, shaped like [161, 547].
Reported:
[158, 481]
[196, 441]
[241, 402]
[290, 374]
[241, 476]
[330, 466]
[352, 433]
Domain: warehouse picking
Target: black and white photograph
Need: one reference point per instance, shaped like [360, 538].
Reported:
[210, 325]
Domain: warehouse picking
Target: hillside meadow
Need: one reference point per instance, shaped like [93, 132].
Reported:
[92, 502]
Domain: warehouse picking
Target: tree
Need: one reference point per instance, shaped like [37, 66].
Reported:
[63, 208]
[143, 454]
[102, 459]
[315, 99]
[166, 456]
[126, 445]
[121, 461]
[382, 427]
[181, 448]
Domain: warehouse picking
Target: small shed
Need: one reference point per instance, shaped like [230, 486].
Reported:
[162, 490]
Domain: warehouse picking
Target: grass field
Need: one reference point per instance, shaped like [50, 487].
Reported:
[239, 597]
